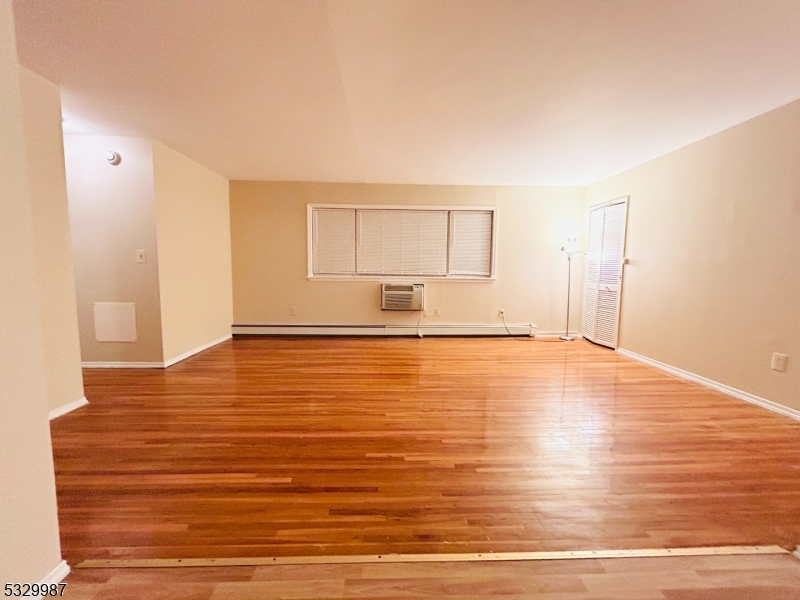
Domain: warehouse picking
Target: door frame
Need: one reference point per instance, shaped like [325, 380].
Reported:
[620, 200]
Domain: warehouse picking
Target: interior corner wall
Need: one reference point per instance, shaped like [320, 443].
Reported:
[44, 143]
[194, 252]
[713, 284]
[29, 544]
[269, 253]
[112, 215]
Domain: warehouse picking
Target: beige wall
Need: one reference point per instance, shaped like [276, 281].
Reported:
[41, 110]
[29, 545]
[112, 214]
[194, 252]
[268, 225]
[713, 286]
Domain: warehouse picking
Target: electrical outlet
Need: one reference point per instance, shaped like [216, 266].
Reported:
[293, 310]
[437, 312]
[502, 312]
[141, 257]
[779, 361]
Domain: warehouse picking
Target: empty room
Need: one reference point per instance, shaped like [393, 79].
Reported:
[400, 298]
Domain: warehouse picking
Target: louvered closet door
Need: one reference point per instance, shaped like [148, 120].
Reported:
[604, 273]
[592, 273]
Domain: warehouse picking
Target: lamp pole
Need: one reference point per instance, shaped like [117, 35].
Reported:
[567, 337]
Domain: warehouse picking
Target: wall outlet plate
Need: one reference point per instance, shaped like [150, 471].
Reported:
[502, 312]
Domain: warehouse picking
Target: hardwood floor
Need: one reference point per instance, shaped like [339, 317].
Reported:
[279, 447]
[695, 578]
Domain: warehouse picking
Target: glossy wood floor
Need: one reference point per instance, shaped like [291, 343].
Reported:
[696, 578]
[276, 447]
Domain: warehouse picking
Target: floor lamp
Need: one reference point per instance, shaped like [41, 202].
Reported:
[568, 248]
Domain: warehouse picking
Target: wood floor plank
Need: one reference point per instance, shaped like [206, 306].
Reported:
[301, 447]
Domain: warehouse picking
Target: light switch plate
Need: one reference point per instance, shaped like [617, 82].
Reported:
[141, 256]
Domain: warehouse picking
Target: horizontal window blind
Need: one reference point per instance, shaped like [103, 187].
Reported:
[334, 241]
[471, 243]
[402, 242]
[382, 241]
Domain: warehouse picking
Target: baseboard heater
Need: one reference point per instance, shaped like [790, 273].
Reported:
[383, 330]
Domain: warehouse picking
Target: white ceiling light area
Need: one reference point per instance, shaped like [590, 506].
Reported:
[500, 92]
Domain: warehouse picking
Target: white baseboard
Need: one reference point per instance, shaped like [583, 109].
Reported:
[715, 385]
[459, 330]
[192, 352]
[67, 408]
[558, 334]
[57, 575]
[153, 365]
[384, 330]
[122, 365]
[307, 330]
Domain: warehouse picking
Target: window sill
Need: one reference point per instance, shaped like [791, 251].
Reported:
[397, 278]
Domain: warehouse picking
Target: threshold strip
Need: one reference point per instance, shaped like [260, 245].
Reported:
[149, 563]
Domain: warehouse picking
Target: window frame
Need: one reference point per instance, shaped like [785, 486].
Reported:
[398, 278]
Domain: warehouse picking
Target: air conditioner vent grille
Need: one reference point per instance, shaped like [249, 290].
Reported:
[402, 297]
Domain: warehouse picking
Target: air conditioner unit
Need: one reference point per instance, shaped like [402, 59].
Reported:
[402, 297]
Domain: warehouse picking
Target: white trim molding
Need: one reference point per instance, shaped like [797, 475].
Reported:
[605, 203]
[154, 365]
[57, 575]
[192, 352]
[386, 330]
[67, 408]
[460, 330]
[122, 365]
[558, 334]
[401, 279]
[715, 385]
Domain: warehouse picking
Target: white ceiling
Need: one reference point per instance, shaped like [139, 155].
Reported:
[544, 92]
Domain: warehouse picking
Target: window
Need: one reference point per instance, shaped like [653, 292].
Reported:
[380, 241]
[471, 243]
[334, 241]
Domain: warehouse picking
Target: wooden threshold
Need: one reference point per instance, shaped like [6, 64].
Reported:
[149, 563]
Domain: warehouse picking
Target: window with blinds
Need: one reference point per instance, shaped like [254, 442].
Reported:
[334, 241]
[471, 243]
[398, 241]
